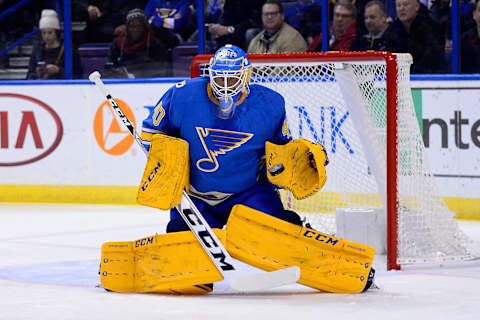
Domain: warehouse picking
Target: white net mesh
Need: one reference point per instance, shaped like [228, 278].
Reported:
[342, 105]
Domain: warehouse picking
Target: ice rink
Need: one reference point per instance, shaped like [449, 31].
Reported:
[49, 257]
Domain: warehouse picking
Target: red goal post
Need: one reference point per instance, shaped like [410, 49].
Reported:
[365, 100]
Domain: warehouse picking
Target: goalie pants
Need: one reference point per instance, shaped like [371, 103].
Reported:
[259, 197]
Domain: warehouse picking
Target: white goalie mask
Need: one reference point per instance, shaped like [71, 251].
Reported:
[229, 72]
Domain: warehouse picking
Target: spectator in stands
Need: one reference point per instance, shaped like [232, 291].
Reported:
[360, 6]
[413, 33]
[343, 29]
[172, 16]
[239, 23]
[106, 18]
[470, 44]
[136, 52]
[379, 30]
[48, 59]
[277, 36]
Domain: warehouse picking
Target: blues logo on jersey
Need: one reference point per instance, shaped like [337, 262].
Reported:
[217, 142]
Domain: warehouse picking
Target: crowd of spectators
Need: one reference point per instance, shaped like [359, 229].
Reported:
[143, 33]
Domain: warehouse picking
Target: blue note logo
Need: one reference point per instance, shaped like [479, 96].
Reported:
[217, 142]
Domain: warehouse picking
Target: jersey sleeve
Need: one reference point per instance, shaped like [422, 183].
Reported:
[176, 19]
[161, 118]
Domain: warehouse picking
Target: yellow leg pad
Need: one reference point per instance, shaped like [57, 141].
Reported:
[167, 263]
[326, 263]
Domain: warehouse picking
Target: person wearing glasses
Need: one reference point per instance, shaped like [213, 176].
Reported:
[343, 29]
[277, 36]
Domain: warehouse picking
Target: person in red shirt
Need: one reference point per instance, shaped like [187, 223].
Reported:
[342, 31]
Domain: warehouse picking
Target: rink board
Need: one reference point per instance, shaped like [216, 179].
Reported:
[60, 142]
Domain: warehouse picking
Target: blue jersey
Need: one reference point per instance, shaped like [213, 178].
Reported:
[225, 155]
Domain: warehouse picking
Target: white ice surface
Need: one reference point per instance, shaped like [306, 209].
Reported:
[49, 257]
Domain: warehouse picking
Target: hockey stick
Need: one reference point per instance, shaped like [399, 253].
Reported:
[200, 228]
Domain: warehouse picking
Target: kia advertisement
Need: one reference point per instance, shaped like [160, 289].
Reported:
[30, 130]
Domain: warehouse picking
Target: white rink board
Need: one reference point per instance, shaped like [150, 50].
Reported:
[455, 161]
[79, 160]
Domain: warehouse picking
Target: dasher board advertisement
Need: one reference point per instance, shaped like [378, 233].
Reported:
[64, 134]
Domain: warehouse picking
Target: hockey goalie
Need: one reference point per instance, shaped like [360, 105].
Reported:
[228, 144]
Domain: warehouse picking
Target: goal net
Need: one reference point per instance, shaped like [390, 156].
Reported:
[359, 106]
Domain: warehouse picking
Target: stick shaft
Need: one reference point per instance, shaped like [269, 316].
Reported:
[189, 212]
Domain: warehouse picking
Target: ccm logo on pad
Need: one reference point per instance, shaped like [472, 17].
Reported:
[320, 237]
[143, 242]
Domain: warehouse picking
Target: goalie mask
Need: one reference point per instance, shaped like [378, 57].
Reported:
[229, 77]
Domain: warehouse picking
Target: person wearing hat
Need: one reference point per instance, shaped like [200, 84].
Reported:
[137, 52]
[48, 57]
